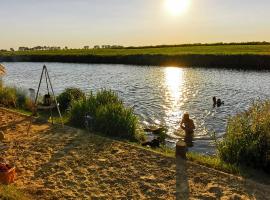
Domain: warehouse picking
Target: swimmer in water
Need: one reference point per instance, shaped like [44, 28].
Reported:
[218, 102]
[188, 126]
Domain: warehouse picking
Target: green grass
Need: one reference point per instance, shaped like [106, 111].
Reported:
[214, 162]
[182, 50]
[247, 138]
[12, 193]
[109, 115]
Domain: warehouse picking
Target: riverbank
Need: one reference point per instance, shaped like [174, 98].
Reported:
[255, 57]
[55, 162]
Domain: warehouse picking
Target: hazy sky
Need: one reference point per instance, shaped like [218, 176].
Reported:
[76, 23]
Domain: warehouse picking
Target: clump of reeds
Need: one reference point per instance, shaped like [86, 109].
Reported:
[13, 97]
[247, 139]
[68, 96]
[108, 115]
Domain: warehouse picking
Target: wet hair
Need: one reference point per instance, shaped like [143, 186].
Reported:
[185, 117]
[219, 102]
[214, 99]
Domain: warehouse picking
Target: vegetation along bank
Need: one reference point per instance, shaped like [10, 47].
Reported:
[237, 56]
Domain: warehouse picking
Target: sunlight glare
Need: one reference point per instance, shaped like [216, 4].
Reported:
[174, 81]
[177, 7]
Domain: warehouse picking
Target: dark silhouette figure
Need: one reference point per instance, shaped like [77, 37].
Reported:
[47, 100]
[188, 126]
[214, 101]
[217, 102]
[155, 143]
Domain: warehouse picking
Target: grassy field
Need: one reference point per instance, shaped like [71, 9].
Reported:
[182, 50]
[254, 57]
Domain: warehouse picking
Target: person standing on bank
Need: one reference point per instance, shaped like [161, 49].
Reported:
[188, 126]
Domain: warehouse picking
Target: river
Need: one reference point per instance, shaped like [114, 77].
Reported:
[159, 95]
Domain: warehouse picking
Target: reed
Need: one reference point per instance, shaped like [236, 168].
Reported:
[69, 96]
[247, 138]
[108, 115]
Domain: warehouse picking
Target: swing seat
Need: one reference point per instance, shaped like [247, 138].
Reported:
[42, 107]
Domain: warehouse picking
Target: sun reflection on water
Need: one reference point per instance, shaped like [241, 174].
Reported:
[174, 80]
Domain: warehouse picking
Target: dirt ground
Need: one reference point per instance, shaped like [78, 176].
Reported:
[65, 163]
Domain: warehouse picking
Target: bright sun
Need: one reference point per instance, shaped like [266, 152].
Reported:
[177, 7]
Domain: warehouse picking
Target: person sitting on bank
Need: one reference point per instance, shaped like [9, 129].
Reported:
[155, 143]
[188, 126]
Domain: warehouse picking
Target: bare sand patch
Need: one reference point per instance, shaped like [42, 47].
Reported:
[66, 163]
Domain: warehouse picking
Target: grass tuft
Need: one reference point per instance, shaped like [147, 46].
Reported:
[247, 138]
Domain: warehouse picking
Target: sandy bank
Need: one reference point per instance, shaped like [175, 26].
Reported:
[65, 163]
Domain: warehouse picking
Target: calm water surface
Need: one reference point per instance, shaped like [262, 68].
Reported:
[159, 95]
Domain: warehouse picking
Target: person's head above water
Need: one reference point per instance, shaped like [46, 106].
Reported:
[186, 117]
[219, 102]
[214, 100]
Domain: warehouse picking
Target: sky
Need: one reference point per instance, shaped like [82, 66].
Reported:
[76, 23]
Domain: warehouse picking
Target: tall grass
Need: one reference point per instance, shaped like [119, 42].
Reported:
[68, 96]
[8, 97]
[247, 139]
[114, 119]
[13, 97]
[108, 115]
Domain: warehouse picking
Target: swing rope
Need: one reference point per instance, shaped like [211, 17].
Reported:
[47, 103]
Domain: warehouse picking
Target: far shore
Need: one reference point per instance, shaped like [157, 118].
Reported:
[248, 57]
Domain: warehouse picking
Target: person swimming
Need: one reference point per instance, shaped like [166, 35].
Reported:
[217, 102]
[214, 101]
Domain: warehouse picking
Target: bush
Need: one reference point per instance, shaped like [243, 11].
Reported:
[247, 139]
[8, 97]
[116, 120]
[66, 98]
[15, 97]
[104, 97]
[109, 115]
[77, 113]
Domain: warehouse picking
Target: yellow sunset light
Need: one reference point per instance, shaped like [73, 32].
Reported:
[177, 7]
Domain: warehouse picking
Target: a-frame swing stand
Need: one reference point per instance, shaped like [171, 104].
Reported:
[48, 102]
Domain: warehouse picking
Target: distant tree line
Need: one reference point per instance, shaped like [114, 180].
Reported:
[199, 44]
[41, 48]
[38, 48]
[108, 47]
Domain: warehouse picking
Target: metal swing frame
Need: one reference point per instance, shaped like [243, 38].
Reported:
[49, 87]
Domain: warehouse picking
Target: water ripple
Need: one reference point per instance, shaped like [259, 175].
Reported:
[159, 95]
